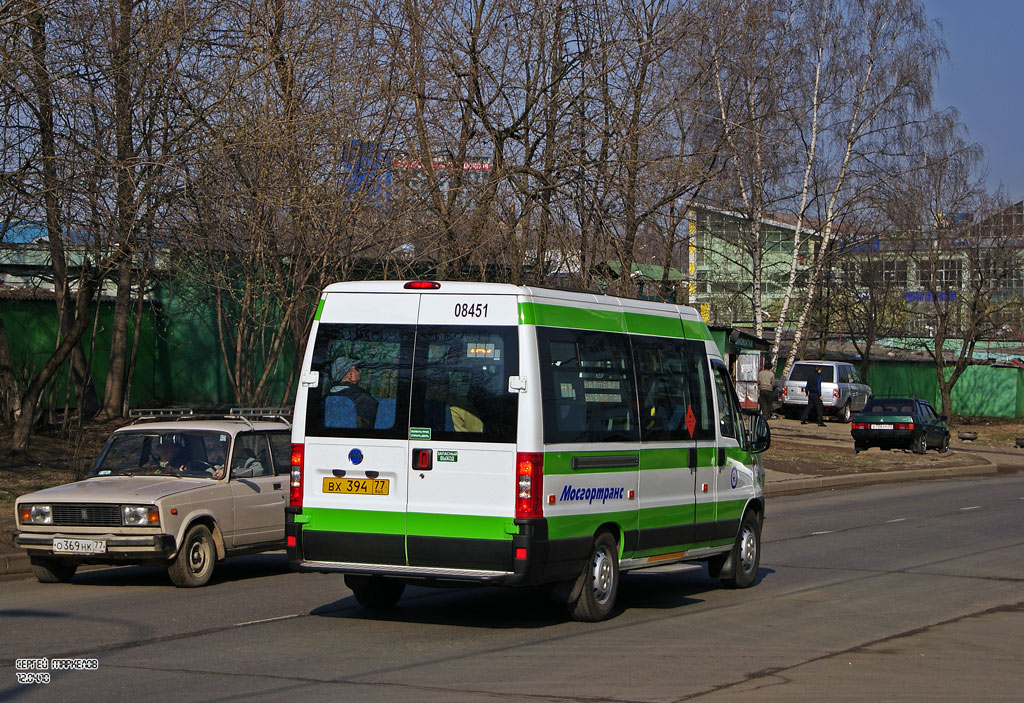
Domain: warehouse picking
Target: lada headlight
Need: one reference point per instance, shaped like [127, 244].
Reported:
[140, 516]
[35, 515]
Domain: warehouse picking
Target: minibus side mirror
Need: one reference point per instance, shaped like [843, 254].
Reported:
[760, 434]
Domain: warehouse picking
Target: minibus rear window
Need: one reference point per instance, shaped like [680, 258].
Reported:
[365, 373]
[460, 383]
[456, 377]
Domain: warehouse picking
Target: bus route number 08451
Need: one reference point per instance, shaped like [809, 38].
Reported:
[470, 309]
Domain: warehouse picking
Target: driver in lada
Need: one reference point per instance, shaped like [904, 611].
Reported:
[170, 454]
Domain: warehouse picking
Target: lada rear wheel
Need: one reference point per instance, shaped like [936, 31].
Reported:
[194, 564]
[745, 558]
[600, 582]
[373, 592]
[49, 570]
[945, 445]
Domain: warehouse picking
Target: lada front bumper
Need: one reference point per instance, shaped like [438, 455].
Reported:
[120, 549]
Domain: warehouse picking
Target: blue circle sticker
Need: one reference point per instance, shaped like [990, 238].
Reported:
[733, 478]
[355, 456]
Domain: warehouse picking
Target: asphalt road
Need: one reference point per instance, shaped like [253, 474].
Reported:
[900, 592]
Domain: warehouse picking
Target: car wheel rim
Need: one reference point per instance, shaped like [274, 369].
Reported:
[603, 575]
[748, 550]
[197, 557]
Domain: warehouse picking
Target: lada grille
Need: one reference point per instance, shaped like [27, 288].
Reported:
[87, 515]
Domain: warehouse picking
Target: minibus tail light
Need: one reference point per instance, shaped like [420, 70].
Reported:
[295, 480]
[529, 484]
[422, 285]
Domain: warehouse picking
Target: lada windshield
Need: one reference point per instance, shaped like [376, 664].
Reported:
[192, 453]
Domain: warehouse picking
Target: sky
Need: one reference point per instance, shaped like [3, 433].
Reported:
[983, 79]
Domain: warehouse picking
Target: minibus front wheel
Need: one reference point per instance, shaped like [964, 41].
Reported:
[738, 568]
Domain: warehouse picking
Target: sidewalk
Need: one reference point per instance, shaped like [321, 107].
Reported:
[983, 460]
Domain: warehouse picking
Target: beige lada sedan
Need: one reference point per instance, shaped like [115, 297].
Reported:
[169, 490]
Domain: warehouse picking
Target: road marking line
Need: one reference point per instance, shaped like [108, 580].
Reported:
[973, 507]
[257, 622]
[823, 532]
[899, 519]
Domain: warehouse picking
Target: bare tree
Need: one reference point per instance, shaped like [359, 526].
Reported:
[872, 65]
[965, 246]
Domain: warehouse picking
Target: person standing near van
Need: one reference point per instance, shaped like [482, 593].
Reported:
[765, 388]
[814, 398]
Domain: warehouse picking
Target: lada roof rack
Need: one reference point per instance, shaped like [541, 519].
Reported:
[250, 414]
[152, 414]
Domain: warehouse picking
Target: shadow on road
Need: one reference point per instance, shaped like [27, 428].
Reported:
[230, 570]
[526, 608]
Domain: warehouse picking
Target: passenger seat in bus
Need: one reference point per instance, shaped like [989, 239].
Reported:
[385, 414]
[340, 412]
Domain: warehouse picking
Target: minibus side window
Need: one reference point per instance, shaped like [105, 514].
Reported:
[700, 391]
[728, 411]
[364, 381]
[662, 387]
[460, 383]
[587, 386]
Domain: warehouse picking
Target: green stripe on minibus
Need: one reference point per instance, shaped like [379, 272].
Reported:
[561, 316]
[341, 520]
[705, 512]
[569, 526]
[694, 329]
[667, 516]
[655, 325]
[730, 509]
[466, 526]
[560, 463]
[319, 309]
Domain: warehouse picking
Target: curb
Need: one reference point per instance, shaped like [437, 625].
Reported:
[14, 564]
[796, 486]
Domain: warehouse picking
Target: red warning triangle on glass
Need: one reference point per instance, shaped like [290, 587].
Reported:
[691, 420]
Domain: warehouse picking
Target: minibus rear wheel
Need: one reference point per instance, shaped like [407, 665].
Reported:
[373, 592]
[600, 582]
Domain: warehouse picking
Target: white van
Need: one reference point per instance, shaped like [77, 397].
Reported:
[477, 432]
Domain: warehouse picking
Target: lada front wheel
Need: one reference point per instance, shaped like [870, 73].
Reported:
[194, 564]
[600, 582]
[49, 570]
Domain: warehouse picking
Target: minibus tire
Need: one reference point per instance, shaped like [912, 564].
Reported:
[599, 581]
[373, 592]
[745, 558]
